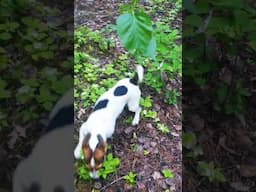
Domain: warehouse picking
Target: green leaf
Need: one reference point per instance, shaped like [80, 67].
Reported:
[5, 36]
[151, 50]
[234, 4]
[163, 128]
[188, 5]
[135, 33]
[167, 173]
[193, 20]
[205, 169]
[146, 102]
[3, 92]
[209, 170]
[130, 178]
[222, 92]
[202, 7]
[189, 140]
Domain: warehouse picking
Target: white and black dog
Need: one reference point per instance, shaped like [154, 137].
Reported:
[49, 167]
[100, 124]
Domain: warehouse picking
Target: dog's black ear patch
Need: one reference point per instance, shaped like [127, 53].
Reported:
[101, 104]
[120, 91]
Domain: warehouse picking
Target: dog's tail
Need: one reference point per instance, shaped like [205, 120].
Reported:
[138, 77]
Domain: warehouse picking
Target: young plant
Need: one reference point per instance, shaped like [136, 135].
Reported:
[110, 165]
[145, 152]
[170, 97]
[146, 102]
[210, 171]
[150, 114]
[189, 141]
[130, 178]
[83, 173]
[167, 173]
[232, 99]
[128, 120]
[135, 147]
[163, 128]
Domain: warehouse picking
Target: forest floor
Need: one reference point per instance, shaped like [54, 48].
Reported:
[164, 151]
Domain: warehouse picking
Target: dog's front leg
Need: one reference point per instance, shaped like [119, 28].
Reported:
[77, 151]
[78, 148]
[133, 106]
[136, 118]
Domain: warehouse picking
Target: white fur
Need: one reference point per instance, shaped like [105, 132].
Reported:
[140, 71]
[103, 121]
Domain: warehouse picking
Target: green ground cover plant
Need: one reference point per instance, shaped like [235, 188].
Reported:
[109, 166]
[130, 178]
[167, 173]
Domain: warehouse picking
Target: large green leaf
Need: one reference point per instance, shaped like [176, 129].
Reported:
[151, 49]
[135, 32]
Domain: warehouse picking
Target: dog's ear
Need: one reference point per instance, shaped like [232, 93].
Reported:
[86, 139]
[87, 152]
[100, 150]
[102, 144]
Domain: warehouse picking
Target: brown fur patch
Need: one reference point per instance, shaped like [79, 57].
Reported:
[87, 152]
[100, 152]
[98, 155]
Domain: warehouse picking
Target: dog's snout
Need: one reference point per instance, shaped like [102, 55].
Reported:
[94, 174]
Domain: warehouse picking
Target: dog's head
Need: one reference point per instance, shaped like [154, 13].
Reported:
[94, 158]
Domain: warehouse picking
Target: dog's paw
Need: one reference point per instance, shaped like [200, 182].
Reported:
[135, 122]
[77, 154]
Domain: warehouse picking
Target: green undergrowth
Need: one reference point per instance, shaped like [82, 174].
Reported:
[194, 152]
[218, 40]
[202, 21]
[33, 61]
[109, 166]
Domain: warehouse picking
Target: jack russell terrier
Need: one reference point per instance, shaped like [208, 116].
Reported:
[100, 124]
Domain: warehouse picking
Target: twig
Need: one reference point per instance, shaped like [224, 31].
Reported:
[103, 188]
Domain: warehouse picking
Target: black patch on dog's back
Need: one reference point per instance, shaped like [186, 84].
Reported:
[120, 91]
[64, 116]
[101, 104]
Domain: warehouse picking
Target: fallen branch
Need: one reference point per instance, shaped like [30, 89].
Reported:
[105, 187]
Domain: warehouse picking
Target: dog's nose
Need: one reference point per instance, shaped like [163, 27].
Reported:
[94, 174]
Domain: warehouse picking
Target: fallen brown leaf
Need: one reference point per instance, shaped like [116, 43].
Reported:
[239, 186]
[156, 175]
[247, 170]
[197, 122]
[80, 113]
